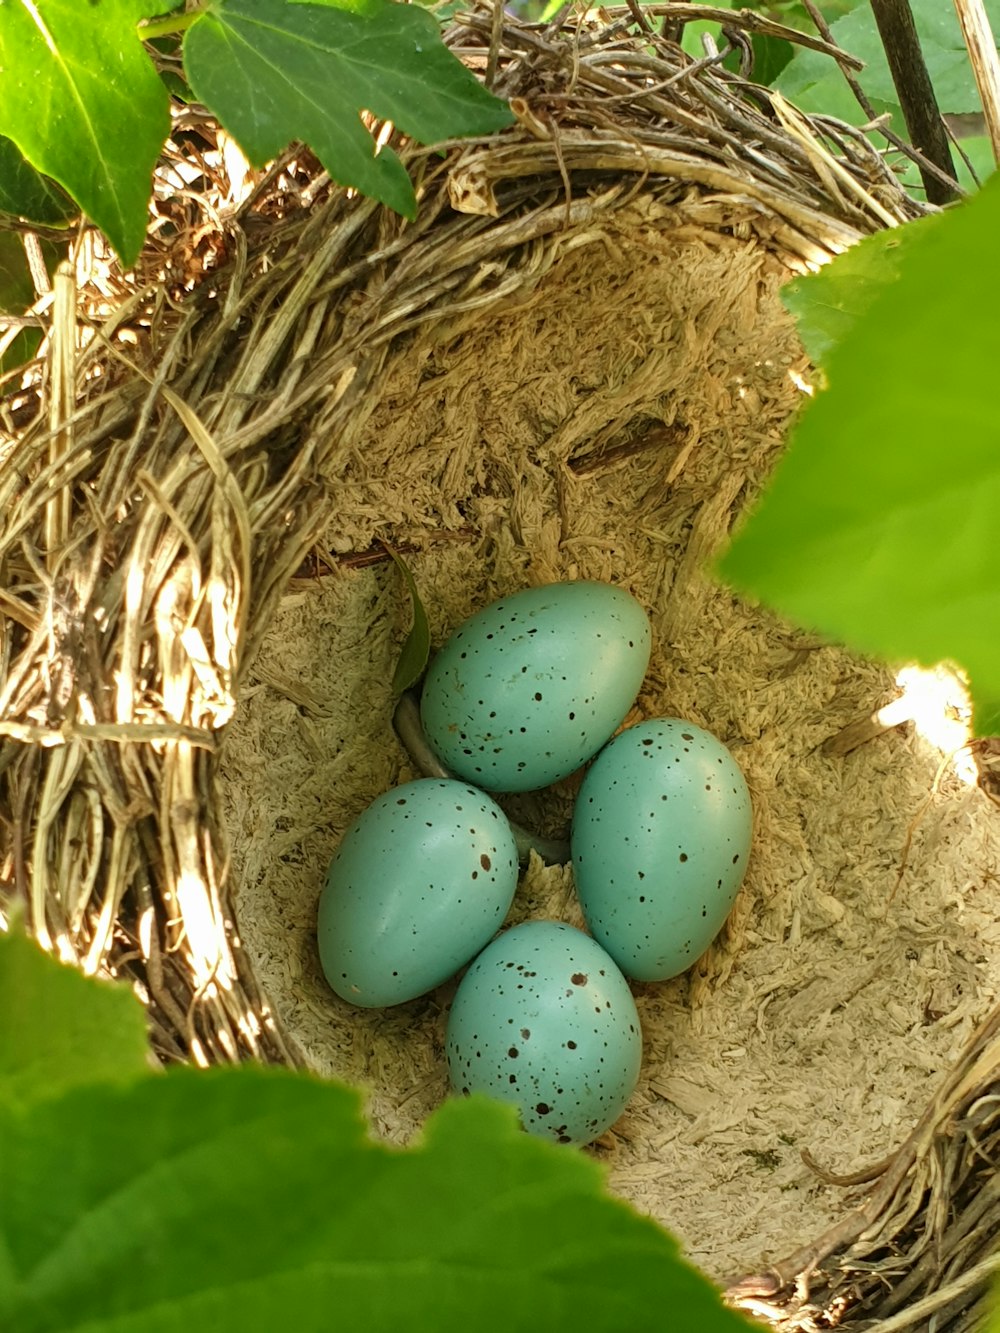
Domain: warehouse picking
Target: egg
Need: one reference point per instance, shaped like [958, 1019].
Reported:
[660, 841]
[527, 690]
[544, 1019]
[421, 881]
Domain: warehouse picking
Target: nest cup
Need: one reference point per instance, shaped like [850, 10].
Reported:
[575, 364]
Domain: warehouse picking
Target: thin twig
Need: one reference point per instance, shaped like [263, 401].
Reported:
[642, 22]
[965, 1081]
[495, 37]
[847, 68]
[747, 19]
[36, 263]
[915, 91]
[860, 1177]
[919, 1310]
[658, 438]
[63, 362]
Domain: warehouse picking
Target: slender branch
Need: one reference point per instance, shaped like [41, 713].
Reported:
[887, 133]
[36, 263]
[642, 22]
[915, 91]
[168, 25]
[985, 63]
[964, 1284]
[675, 15]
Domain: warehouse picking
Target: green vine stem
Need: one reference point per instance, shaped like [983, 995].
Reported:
[150, 29]
[406, 720]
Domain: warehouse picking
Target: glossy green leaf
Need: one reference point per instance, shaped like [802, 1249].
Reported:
[17, 289]
[979, 150]
[828, 304]
[276, 70]
[879, 525]
[176, 86]
[252, 1199]
[16, 355]
[248, 1199]
[416, 649]
[82, 101]
[24, 193]
[770, 56]
[59, 1029]
[17, 293]
[814, 83]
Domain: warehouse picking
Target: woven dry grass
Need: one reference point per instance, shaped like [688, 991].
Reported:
[175, 459]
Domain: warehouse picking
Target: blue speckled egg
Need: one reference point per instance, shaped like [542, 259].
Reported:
[531, 687]
[544, 1019]
[660, 841]
[420, 883]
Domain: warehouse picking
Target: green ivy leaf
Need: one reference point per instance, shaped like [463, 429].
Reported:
[253, 1199]
[82, 101]
[249, 1199]
[278, 70]
[413, 655]
[828, 304]
[978, 148]
[812, 81]
[770, 56]
[176, 86]
[60, 1030]
[17, 290]
[24, 193]
[17, 293]
[879, 525]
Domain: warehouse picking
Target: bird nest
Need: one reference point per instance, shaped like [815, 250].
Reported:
[573, 364]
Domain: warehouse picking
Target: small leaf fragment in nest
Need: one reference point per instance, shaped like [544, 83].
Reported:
[25, 193]
[417, 649]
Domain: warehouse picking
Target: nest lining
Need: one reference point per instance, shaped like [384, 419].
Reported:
[608, 425]
[155, 517]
